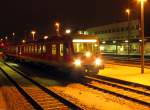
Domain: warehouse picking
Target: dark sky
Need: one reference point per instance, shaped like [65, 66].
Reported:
[20, 16]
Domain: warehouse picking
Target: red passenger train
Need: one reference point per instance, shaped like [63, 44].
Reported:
[2, 47]
[76, 55]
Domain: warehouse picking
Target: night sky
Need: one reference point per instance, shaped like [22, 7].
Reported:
[21, 16]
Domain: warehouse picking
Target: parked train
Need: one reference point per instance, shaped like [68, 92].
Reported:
[2, 45]
[76, 55]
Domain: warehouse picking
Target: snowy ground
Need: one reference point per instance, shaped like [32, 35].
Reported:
[127, 73]
[2, 102]
[103, 101]
[96, 100]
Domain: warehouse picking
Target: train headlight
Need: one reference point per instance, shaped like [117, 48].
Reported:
[88, 54]
[77, 62]
[98, 62]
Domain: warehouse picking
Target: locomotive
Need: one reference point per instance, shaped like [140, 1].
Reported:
[77, 55]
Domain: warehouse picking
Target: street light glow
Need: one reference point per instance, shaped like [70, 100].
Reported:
[23, 41]
[57, 24]
[104, 42]
[6, 37]
[142, 1]
[33, 33]
[68, 31]
[45, 37]
[13, 34]
[126, 41]
[128, 11]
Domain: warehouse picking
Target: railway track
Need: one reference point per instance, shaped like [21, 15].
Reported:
[126, 62]
[136, 93]
[37, 95]
[132, 92]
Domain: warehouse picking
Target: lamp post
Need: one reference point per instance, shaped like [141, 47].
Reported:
[142, 34]
[33, 35]
[57, 24]
[128, 13]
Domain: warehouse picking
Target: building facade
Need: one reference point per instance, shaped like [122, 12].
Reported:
[116, 31]
[121, 38]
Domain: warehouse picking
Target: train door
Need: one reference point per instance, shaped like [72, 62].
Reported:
[67, 51]
[18, 51]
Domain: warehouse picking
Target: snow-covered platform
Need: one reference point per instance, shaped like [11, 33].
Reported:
[127, 73]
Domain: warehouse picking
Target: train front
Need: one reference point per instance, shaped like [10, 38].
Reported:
[87, 58]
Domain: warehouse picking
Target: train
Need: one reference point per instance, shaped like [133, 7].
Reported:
[77, 56]
[2, 45]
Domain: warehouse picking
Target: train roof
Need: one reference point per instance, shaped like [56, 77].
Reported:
[62, 38]
[51, 39]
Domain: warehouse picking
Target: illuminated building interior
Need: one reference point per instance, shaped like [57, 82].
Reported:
[114, 38]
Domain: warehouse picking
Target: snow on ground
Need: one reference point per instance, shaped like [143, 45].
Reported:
[103, 101]
[127, 73]
[96, 100]
[2, 102]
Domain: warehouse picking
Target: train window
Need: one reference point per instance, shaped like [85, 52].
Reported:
[66, 48]
[53, 49]
[44, 49]
[82, 47]
[39, 49]
[25, 49]
[32, 49]
[61, 49]
[20, 51]
[36, 48]
[16, 49]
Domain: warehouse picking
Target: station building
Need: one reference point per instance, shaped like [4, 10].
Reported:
[120, 38]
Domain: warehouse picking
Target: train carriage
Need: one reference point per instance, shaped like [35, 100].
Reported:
[2, 48]
[76, 55]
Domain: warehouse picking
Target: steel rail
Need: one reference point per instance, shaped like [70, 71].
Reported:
[46, 90]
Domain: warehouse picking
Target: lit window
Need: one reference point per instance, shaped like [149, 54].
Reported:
[24, 49]
[61, 50]
[44, 49]
[53, 49]
[39, 49]
[36, 49]
[32, 51]
[16, 49]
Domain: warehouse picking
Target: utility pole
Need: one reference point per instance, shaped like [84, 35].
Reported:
[142, 34]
